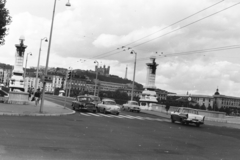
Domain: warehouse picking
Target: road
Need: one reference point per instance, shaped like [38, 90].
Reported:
[129, 136]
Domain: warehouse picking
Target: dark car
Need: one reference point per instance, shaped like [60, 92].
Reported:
[84, 103]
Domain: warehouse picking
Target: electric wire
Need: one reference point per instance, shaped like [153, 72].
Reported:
[177, 29]
[162, 28]
[189, 52]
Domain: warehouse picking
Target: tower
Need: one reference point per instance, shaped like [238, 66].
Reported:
[149, 96]
[151, 74]
[17, 82]
[126, 73]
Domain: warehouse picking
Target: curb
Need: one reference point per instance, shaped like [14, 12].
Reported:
[36, 114]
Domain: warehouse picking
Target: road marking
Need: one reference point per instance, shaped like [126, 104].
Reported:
[116, 116]
[134, 117]
[104, 115]
[94, 114]
[124, 116]
[84, 114]
[147, 118]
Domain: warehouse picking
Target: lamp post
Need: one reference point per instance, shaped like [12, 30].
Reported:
[39, 55]
[70, 82]
[26, 66]
[96, 78]
[48, 53]
[133, 52]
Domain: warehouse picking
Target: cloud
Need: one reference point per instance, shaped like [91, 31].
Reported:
[92, 27]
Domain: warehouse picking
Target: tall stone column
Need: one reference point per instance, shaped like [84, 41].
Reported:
[17, 81]
[149, 96]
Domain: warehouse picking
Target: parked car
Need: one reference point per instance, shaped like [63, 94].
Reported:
[131, 106]
[187, 116]
[84, 103]
[108, 106]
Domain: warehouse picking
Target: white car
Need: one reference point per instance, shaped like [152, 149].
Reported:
[187, 116]
[108, 106]
[131, 106]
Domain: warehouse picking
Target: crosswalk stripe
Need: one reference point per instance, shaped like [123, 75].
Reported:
[147, 118]
[84, 114]
[134, 117]
[117, 116]
[94, 114]
[125, 116]
[104, 115]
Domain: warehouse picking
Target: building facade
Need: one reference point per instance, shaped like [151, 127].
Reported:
[103, 70]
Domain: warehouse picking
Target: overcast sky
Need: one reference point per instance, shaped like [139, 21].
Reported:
[91, 28]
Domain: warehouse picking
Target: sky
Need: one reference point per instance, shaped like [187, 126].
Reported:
[92, 30]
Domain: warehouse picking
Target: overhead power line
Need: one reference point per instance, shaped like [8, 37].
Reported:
[190, 52]
[162, 28]
[177, 29]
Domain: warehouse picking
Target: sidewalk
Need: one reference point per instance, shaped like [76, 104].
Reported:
[231, 120]
[49, 109]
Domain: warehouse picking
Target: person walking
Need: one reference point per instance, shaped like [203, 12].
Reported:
[37, 96]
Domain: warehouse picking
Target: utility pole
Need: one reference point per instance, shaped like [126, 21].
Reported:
[133, 52]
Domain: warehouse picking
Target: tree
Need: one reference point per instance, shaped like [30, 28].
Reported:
[203, 107]
[209, 107]
[5, 19]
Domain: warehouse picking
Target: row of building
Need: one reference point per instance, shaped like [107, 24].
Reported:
[57, 80]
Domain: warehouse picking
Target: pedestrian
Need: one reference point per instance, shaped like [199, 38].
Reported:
[37, 96]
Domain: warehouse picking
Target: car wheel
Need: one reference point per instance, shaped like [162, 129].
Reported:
[104, 111]
[187, 123]
[73, 108]
[197, 124]
[172, 120]
[117, 113]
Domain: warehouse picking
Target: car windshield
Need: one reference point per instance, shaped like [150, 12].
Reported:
[190, 111]
[133, 103]
[82, 98]
[109, 102]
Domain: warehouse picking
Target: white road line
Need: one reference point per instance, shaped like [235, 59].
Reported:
[126, 117]
[84, 114]
[94, 114]
[134, 117]
[116, 116]
[104, 115]
[147, 118]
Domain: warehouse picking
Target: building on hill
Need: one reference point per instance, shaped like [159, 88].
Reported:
[216, 101]
[161, 94]
[102, 70]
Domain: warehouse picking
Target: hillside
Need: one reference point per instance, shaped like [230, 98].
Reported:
[110, 78]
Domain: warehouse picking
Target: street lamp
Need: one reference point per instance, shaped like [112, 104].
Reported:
[133, 52]
[70, 84]
[96, 78]
[26, 65]
[39, 55]
[48, 54]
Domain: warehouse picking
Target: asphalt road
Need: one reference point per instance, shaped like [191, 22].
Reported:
[129, 136]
